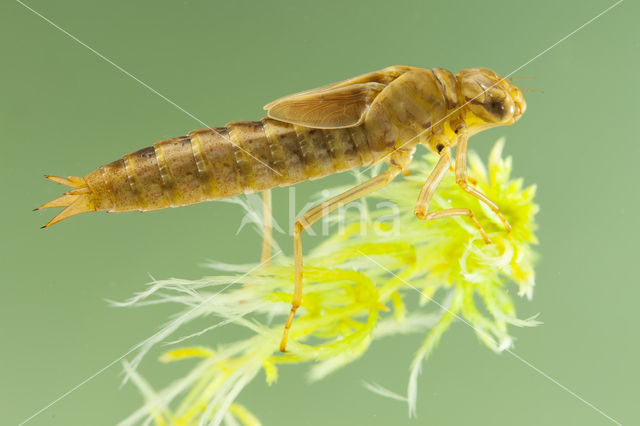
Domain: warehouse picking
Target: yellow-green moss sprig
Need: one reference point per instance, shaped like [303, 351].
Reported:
[357, 283]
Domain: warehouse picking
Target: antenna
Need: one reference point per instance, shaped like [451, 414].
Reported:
[531, 90]
[519, 78]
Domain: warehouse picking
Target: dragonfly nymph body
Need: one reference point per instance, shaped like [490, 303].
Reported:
[379, 116]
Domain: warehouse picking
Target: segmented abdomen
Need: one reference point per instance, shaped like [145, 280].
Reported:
[243, 157]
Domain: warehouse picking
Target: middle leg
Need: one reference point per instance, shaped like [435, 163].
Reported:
[429, 188]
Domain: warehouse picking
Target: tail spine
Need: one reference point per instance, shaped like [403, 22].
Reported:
[78, 200]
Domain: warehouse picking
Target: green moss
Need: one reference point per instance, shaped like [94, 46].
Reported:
[356, 285]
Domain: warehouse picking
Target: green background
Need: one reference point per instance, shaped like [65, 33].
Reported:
[66, 111]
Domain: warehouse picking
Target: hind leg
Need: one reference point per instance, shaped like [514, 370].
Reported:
[267, 230]
[312, 216]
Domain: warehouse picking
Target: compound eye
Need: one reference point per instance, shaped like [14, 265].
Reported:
[501, 109]
[496, 108]
[498, 105]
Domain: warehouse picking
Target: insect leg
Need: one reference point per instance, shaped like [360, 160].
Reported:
[267, 227]
[463, 180]
[312, 216]
[429, 188]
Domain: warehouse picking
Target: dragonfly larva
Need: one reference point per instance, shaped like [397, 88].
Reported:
[379, 116]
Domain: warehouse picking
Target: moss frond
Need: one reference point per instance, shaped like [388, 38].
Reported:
[361, 284]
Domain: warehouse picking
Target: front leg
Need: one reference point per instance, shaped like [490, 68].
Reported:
[463, 180]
